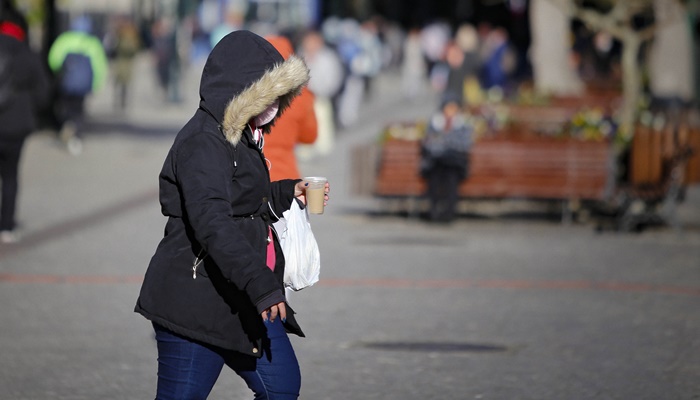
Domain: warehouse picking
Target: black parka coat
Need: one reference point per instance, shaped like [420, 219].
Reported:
[215, 191]
[31, 89]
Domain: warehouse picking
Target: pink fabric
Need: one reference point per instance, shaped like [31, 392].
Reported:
[271, 256]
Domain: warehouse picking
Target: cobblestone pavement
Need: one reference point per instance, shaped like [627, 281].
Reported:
[502, 306]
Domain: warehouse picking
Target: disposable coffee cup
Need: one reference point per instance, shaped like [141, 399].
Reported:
[315, 194]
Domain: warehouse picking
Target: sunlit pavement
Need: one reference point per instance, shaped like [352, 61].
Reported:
[496, 307]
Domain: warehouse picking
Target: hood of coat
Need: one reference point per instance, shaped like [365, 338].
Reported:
[243, 75]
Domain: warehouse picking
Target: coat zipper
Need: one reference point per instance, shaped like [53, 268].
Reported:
[197, 263]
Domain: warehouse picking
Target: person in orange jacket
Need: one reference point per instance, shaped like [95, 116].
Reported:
[297, 125]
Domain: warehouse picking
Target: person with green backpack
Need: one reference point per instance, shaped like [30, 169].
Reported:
[80, 66]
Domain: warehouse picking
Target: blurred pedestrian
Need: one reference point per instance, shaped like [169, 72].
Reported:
[361, 52]
[445, 158]
[213, 290]
[370, 62]
[498, 59]
[457, 71]
[414, 69]
[296, 126]
[167, 59]
[327, 76]
[126, 46]
[463, 78]
[234, 19]
[434, 39]
[80, 66]
[24, 90]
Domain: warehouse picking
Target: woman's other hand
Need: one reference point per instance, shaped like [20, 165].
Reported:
[274, 311]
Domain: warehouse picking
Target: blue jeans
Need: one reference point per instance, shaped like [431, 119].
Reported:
[189, 370]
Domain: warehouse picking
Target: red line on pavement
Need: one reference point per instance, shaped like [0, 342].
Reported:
[515, 284]
[391, 283]
[69, 279]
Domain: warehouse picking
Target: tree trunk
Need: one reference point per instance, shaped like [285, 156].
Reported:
[631, 82]
[670, 59]
[551, 49]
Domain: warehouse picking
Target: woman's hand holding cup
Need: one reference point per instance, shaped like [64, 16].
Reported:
[313, 192]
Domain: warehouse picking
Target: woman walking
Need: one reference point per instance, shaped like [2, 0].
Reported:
[213, 289]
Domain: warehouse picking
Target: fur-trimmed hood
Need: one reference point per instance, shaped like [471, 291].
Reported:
[243, 75]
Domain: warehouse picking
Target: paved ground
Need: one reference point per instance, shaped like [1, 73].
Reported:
[499, 307]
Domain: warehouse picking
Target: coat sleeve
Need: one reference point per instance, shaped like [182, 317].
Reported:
[282, 195]
[203, 170]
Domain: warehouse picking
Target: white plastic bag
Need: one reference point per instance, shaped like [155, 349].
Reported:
[302, 260]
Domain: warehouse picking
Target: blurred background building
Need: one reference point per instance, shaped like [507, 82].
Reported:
[198, 19]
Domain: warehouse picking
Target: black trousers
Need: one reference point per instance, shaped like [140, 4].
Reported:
[10, 151]
[443, 191]
[71, 108]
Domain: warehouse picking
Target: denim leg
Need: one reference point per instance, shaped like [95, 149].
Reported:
[276, 375]
[186, 370]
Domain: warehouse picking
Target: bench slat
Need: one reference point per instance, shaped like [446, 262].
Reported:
[528, 169]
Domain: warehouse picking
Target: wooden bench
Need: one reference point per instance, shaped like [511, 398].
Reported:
[635, 206]
[546, 169]
[524, 164]
[663, 161]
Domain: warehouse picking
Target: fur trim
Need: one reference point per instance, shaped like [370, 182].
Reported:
[284, 81]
